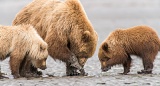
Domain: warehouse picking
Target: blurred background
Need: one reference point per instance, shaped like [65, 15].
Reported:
[105, 16]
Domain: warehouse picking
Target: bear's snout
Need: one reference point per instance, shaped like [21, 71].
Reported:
[106, 68]
[43, 67]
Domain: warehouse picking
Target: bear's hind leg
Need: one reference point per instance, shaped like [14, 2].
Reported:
[147, 64]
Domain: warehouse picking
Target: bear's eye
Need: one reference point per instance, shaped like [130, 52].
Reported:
[45, 59]
[41, 48]
[105, 59]
[102, 60]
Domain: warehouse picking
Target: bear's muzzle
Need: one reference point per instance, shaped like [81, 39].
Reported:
[104, 69]
[43, 67]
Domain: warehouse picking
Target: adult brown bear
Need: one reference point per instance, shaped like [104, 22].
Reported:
[65, 27]
[120, 44]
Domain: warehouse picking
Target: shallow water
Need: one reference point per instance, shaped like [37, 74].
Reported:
[106, 16]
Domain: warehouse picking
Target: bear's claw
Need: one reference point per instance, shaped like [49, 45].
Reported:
[75, 72]
[106, 68]
[28, 75]
[82, 72]
[145, 72]
[123, 73]
[16, 76]
[1, 75]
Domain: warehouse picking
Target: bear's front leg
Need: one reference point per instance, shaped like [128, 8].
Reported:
[127, 65]
[35, 71]
[82, 62]
[32, 72]
[64, 54]
[14, 65]
[27, 70]
[23, 70]
[74, 62]
[74, 68]
[71, 71]
[83, 73]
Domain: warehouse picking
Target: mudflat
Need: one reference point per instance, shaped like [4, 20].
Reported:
[105, 16]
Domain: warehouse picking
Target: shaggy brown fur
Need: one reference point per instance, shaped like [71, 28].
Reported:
[21, 42]
[66, 29]
[117, 48]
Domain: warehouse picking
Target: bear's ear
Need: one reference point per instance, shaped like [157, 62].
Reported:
[86, 37]
[105, 46]
[42, 47]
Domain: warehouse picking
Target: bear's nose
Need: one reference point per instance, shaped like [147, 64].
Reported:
[103, 69]
[106, 68]
[43, 67]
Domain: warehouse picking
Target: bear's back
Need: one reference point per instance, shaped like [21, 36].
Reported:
[41, 8]
[139, 39]
[5, 41]
[6, 34]
[141, 34]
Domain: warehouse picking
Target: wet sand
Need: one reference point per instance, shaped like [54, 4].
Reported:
[105, 16]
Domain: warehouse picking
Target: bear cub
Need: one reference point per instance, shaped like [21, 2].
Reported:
[141, 41]
[22, 42]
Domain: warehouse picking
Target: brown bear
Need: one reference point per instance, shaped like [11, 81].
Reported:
[66, 28]
[22, 42]
[141, 41]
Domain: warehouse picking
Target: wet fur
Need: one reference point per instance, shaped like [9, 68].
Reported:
[64, 26]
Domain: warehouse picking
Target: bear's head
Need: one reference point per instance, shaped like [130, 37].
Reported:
[81, 37]
[104, 55]
[39, 63]
[34, 47]
[39, 53]
[85, 47]
[111, 53]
